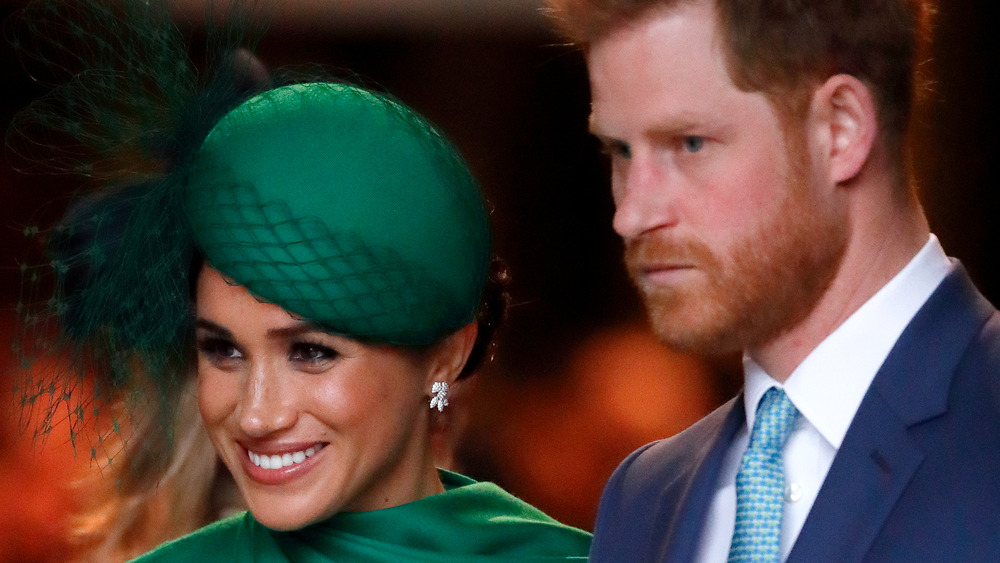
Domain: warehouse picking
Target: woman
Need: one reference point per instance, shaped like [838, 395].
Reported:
[345, 249]
[330, 250]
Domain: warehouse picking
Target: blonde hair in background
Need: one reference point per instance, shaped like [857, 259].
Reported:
[130, 510]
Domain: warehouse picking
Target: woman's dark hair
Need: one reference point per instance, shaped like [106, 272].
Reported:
[492, 311]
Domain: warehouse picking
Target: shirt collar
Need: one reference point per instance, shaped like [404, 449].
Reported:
[828, 386]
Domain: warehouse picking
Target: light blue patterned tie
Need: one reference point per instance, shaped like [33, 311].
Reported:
[760, 484]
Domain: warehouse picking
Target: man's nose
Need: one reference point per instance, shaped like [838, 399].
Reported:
[644, 197]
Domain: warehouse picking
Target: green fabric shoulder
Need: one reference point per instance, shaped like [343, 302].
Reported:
[469, 522]
[229, 539]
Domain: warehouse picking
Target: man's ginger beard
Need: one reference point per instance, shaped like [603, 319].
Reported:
[762, 286]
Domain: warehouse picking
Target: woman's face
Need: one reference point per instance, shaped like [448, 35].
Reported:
[310, 424]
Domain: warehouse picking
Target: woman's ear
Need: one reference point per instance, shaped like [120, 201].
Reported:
[845, 112]
[449, 355]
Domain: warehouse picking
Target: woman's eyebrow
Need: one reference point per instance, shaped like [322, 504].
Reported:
[282, 332]
[295, 330]
[212, 327]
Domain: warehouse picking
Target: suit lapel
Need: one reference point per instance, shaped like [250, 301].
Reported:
[689, 498]
[868, 474]
[878, 456]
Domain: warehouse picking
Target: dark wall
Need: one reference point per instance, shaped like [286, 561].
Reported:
[957, 139]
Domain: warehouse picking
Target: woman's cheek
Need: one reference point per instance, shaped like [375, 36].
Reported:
[216, 396]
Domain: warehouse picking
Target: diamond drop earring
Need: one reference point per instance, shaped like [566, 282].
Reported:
[440, 398]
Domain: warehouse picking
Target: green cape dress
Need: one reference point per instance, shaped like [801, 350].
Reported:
[470, 521]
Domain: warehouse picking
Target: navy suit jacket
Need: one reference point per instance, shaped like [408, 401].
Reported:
[916, 479]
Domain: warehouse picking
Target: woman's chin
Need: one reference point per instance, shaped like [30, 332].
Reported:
[284, 520]
[285, 510]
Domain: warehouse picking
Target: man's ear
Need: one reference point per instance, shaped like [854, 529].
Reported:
[449, 356]
[844, 108]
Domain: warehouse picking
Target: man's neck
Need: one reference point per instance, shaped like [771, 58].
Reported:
[880, 248]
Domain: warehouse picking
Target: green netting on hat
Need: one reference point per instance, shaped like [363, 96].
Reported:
[345, 208]
[105, 299]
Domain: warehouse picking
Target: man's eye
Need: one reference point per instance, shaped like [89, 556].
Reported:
[617, 149]
[314, 353]
[693, 143]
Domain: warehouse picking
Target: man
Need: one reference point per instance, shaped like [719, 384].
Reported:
[762, 191]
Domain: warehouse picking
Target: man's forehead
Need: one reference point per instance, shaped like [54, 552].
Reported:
[643, 14]
[656, 34]
[669, 70]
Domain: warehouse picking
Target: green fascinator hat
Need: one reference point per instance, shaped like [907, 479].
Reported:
[343, 207]
[340, 205]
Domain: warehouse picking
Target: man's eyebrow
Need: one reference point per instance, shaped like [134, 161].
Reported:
[603, 138]
[674, 125]
[594, 129]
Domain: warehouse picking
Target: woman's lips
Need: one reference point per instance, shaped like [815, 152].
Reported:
[277, 461]
[271, 466]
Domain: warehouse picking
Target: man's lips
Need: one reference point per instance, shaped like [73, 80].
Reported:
[657, 274]
[654, 261]
[648, 269]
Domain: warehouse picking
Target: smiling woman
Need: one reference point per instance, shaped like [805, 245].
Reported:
[312, 423]
[344, 254]
[321, 261]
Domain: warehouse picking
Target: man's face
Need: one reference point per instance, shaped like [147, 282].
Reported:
[728, 236]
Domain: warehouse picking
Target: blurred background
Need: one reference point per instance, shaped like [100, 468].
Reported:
[578, 382]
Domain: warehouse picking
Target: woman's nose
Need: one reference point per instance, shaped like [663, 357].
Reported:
[266, 405]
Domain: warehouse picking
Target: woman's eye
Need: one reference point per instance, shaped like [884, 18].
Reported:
[693, 143]
[312, 353]
[219, 350]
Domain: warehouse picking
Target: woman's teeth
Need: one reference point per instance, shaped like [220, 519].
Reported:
[283, 460]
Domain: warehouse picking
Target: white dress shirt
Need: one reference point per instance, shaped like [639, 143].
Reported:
[827, 389]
